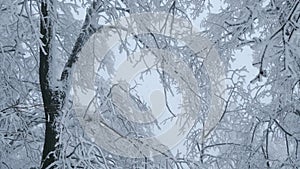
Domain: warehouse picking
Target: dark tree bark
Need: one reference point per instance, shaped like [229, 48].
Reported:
[51, 98]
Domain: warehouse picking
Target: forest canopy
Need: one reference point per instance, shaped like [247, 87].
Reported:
[149, 84]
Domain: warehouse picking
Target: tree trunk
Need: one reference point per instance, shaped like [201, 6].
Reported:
[51, 98]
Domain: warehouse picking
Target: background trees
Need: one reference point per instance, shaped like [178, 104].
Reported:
[40, 43]
[269, 28]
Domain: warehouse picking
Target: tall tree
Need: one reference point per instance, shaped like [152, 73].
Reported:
[40, 45]
[52, 97]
